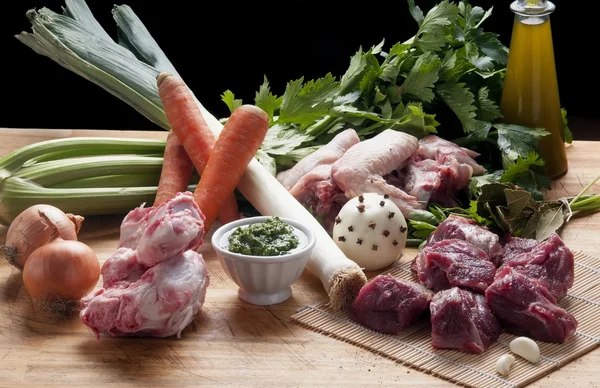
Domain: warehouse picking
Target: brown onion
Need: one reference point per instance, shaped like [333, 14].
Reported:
[28, 231]
[61, 272]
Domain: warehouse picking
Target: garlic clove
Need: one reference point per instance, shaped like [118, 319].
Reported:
[526, 348]
[504, 363]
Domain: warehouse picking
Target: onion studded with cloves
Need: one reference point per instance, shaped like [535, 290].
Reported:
[58, 274]
[29, 231]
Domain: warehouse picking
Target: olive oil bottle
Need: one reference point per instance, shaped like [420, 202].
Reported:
[530, 94]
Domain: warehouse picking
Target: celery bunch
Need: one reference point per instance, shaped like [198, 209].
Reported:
[83, 175]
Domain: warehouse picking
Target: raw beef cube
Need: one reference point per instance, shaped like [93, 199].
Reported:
[461, 320]
[161, 303]
[388, 305]
[514, 246]
[454, 263]
[551, 263]
[457, 227]
[525, 307]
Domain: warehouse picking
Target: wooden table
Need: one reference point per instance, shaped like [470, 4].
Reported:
[230, 343]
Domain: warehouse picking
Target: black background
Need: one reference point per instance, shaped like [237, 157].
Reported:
[226, 45]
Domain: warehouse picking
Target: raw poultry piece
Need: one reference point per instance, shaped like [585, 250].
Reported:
[438, 170]
[462, 320]
[388, 305]
[550, 263]
[161, 303]
[525, 307]
[454, 263]
[309, 181]
[324, 156]
[156, 287]
[363, 166]
[457, 227]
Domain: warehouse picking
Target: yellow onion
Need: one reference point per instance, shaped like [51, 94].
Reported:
[60, 272]
[29, 231]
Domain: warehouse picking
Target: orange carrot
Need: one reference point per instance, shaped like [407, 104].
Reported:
[242, 135]
[191, 130]
[176, 170]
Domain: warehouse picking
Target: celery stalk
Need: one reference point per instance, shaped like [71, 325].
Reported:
[117, 180]
[59, 171]
[18, 194]
[73, 147]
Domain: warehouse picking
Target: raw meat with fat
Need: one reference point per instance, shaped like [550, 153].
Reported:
[462, 320]
[362, 168]
[457, 227]
[454, 263]
[388, 305]
[525, 307]
[550, 263]
[438, 170]
[155, 283]
[161, 303]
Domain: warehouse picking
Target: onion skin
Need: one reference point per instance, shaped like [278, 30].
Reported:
[29, 231]
[61, 271]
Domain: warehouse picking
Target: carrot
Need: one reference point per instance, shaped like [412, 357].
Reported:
[242, 135]
[191, 130]
[176, 170]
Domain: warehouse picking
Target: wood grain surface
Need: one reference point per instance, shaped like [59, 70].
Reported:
[230, 343]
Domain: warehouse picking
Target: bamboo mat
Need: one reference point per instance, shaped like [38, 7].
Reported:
[412, 346]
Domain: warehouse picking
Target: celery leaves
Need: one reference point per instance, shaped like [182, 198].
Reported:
[446, 79]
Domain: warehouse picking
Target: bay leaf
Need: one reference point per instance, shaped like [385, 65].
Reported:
[531, 227]
[550, 221]
[518, 201]
[492, 195]
[494, 214]
[515, 223]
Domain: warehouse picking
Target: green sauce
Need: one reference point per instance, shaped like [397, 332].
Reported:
[273, 237]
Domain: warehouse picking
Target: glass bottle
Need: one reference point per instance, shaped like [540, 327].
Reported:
[530, 94]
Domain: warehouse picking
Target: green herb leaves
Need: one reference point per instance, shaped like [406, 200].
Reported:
[446, 80]
[515, 211]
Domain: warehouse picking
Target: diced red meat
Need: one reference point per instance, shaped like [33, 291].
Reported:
[461, 320]
[514, 246]
[454, 263]
[525, 307]
[551, 263]
[457, 227]
[388, 305]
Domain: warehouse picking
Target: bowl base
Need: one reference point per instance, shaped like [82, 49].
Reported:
[265, 299]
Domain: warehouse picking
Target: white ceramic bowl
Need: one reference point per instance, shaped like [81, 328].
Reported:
[263, 280]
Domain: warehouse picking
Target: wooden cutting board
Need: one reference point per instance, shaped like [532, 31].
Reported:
[230, 343]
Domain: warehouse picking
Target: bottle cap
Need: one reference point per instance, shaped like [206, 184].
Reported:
[532, 7]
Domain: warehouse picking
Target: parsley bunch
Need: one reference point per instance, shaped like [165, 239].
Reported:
[446, 80]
